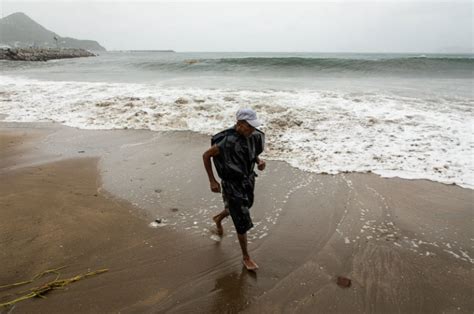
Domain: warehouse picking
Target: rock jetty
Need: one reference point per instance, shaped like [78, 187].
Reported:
[42, 54]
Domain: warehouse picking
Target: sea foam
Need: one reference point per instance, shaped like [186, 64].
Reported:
[314, 130]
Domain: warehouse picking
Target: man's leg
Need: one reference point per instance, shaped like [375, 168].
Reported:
[218, 220]
[248, 262]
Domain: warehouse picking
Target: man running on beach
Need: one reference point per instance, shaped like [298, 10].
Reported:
[235, 152]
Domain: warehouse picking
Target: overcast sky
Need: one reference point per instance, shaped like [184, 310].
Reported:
[313, 26]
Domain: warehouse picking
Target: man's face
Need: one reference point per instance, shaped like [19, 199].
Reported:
[244, 128]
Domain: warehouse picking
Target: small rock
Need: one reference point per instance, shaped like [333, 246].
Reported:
[343, 282]
[81, 151]
[158, 220]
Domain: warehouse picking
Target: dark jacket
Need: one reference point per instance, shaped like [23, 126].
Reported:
[237, 154]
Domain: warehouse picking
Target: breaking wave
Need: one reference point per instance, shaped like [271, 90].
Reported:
[439, 66]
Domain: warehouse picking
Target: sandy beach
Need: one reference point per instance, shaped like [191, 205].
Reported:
[85, 199]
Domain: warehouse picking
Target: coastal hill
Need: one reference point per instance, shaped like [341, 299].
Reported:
[17, 30]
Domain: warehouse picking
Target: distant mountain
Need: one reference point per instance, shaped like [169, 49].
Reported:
[18, 30]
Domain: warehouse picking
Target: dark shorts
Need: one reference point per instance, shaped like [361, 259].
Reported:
[239, 209]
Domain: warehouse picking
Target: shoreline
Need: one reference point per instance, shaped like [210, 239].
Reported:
[395, 239]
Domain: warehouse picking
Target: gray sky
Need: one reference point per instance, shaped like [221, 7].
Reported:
[318, 26]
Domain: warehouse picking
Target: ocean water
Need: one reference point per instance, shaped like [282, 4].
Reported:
[401, 115]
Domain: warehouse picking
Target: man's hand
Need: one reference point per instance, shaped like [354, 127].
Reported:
[206, 157]
[215, 187]
[261, 165]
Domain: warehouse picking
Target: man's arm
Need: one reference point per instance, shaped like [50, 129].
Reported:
[260, 163]
[260, 143]
[206, 157]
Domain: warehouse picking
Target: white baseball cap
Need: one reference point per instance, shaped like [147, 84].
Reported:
[248, 115]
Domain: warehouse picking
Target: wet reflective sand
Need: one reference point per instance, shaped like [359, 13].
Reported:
[86, 199]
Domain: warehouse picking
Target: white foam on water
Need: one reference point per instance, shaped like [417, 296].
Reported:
[452, 253]
[216, 238]
[154, 224]
[314, 130]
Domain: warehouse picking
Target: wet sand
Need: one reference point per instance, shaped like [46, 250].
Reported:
[85, 199]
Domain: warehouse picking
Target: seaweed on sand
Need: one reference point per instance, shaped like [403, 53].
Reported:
[47, 287]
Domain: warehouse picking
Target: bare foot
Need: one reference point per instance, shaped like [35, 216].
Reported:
[250, 264]
[220, 230]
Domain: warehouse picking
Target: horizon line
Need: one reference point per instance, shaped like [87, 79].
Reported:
[274, 51]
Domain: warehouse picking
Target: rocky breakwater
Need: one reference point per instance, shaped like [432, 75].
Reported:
[42, 54]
